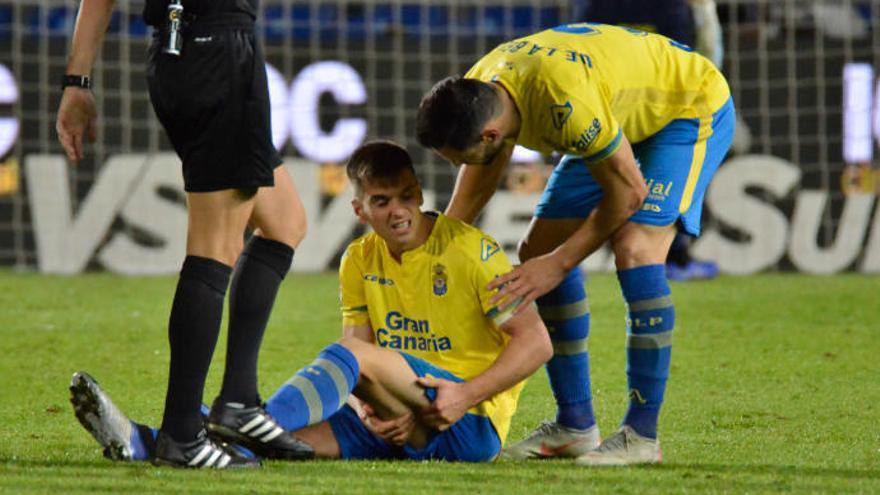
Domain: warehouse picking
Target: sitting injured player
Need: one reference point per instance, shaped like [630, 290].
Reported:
[427, 368]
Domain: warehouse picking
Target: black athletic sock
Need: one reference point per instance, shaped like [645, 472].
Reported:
[192, 333]
[260, 270]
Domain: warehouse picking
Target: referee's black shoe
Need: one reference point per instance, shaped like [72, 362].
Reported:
[201, 453]
[254, 429]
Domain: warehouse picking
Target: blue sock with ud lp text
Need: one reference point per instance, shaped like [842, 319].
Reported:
[650, 322]
[317, 391]
[566, 313]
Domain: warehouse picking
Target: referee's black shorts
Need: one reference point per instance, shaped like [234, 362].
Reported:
[213, 101]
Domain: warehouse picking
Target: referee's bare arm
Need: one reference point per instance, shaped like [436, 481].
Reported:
[77, 113]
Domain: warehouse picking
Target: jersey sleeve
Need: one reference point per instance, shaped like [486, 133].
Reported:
[489, 262]
[352, 296]
[591, 130]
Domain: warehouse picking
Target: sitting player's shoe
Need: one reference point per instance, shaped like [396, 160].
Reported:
[122, 439]
[253, 428]
[623, 448]
[201, 453]
[554, 440]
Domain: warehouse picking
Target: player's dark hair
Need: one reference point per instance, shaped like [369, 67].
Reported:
[377, 161]
[454, 112]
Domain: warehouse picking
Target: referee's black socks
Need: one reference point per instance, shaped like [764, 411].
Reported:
[260, 269]
[192, 332]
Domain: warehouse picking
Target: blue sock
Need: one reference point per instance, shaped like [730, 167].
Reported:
[566, 313]
[649, 343]
[317, 391]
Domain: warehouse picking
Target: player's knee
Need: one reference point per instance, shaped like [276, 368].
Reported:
[290, 230]
[358, 348]
[636, 244]
[630, 253]
[298, 227]
[294, 227]
[366, 354]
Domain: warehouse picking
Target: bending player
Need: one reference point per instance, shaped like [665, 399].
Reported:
[588, 91]
[694, 23]
[438, 367]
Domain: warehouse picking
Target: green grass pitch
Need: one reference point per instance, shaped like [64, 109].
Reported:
[775, 386]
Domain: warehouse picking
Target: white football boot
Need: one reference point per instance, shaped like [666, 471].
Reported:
[551, 440]
[623, 448]
[100, 417]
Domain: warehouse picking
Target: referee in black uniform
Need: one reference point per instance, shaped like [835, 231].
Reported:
[208, 86]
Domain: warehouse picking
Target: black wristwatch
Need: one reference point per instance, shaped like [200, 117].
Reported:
[83, 82]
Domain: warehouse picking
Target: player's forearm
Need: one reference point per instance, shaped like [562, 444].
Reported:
[527, 350]
[91, 24]
[468, 198]
[623, 192]
[609, 215]
[475, 186]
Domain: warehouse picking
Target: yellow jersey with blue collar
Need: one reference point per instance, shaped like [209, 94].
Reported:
[580, 87]
[433, 304]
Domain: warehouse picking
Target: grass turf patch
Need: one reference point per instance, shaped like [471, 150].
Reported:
[773, 388]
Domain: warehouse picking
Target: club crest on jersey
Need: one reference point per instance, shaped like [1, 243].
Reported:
[560, 114]
[488, 247]
[439, 278]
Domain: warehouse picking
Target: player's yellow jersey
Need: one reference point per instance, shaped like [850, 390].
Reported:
[578, 86]
[434, 303]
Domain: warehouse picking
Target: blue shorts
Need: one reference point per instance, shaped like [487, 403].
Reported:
[471, 439]
[678, 162]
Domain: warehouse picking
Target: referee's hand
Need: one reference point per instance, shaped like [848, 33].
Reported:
[77, 115]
